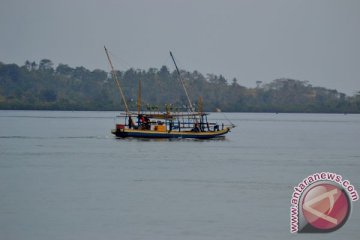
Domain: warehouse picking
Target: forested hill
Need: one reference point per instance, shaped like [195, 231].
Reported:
[43, 86]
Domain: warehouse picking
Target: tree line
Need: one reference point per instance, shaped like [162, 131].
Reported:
[42, 86]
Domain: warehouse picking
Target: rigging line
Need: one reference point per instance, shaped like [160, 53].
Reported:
[120, 60]
[117, 81]
[109, 77]
[183, 84]
[233, 125]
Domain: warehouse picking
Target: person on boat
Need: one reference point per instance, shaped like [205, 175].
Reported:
[130, 123]
[147, 123]
[171, 125]
[141, 118]
[196, 128]
[141, 121]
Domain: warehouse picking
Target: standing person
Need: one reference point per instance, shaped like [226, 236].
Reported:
[147, 123]
[130, 122]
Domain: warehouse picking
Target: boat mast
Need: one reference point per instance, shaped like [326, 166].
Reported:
[117, 81]
[200, 105]
[182, 83]
[139, 98]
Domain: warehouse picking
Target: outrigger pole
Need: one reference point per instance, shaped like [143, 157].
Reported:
[183, 84]
[117, 81]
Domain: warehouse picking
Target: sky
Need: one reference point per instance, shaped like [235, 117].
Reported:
[250, 40]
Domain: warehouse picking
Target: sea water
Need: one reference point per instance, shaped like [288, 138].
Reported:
[64, 176]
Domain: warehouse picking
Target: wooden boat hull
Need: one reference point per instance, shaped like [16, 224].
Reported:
[123, 133]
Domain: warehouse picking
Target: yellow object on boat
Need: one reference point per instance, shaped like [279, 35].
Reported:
[160, 128]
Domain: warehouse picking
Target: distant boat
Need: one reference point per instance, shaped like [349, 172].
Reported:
[186, 123]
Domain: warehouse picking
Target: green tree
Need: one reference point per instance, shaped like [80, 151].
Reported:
[46, 64]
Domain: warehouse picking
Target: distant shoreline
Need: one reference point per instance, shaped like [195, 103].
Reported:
[42, 86]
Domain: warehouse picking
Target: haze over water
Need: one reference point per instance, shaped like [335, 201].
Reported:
[64, 176]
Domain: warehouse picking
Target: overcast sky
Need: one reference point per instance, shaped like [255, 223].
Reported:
[251, 40]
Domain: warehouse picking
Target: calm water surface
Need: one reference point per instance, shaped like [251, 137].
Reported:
[64, 176]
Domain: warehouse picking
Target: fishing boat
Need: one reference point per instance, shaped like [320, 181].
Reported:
[180, 123]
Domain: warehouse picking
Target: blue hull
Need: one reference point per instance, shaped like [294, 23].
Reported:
[154, 134]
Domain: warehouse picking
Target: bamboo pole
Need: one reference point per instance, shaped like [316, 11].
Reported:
[117, 81]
